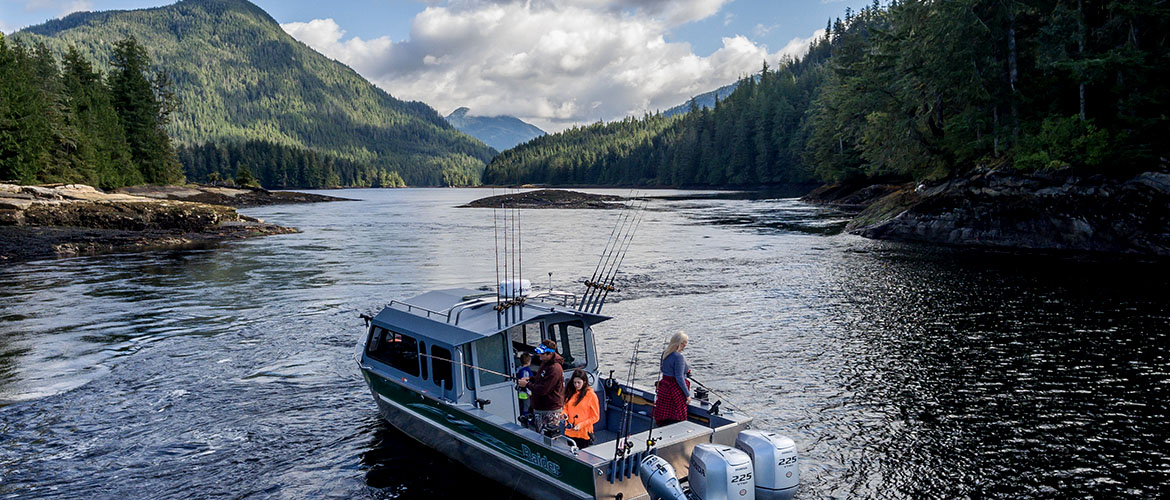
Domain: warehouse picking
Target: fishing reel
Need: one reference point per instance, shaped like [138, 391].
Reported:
[610, 383]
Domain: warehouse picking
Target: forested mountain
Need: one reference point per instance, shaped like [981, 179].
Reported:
[915, 89]
[500, 132]
[238, 78]
[754, 136]
[602, 153]
[65, 122]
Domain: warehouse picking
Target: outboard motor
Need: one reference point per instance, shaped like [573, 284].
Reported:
[721, 472]
[659, 479]
[774, 456]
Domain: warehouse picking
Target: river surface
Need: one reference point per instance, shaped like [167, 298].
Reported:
[901, 373]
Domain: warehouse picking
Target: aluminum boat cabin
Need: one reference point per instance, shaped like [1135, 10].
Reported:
[438, 366]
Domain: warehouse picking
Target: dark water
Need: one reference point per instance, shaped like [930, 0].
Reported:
[901, 373]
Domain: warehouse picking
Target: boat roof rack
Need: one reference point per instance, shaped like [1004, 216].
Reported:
[461, 315]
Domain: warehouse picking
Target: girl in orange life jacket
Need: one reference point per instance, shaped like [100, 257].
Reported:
[581, 409]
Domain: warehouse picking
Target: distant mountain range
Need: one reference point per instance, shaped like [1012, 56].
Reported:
[704, 100]
[500, 132]
[239, 77]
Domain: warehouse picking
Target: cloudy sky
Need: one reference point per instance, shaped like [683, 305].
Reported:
[553, 63]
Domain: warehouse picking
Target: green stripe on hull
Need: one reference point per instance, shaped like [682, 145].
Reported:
[534, 454]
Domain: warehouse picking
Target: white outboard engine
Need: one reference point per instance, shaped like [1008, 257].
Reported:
[721, 472]
[774, 456]
[659, 479]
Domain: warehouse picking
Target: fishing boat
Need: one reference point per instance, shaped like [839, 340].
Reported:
[440, 365]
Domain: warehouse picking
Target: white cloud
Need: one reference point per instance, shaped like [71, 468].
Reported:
[553, 63]
[62, 7]
[798, 47]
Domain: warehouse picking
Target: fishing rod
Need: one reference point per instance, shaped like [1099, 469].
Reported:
[520, 259]
[505, 375]
[595, 287]
[496, 236]
[610, 269]
[623, 422]
[604, 252]
[625, 249]
[630, 397]
[716, 393]
[504, 303]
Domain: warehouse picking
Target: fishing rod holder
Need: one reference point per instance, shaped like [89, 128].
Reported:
[506, 304]
[600, 286]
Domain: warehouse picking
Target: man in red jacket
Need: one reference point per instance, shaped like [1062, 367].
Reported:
[547, 386]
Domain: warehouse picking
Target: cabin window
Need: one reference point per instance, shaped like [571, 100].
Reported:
[441, 365]
[395, 349]
[527, 334]
[492, 356]
[375, 333]
[570, 339]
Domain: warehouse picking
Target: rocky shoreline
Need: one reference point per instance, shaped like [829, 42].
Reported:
[227, 196]
[1048, 211]
[73, 219]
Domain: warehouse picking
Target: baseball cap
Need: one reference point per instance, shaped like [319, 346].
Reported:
[541, 349]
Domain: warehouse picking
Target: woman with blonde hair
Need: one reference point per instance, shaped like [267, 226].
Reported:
[673, 390]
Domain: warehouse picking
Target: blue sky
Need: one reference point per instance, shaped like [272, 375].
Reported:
[554, 63]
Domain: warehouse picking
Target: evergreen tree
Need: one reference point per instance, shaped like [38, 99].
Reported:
[142, 107]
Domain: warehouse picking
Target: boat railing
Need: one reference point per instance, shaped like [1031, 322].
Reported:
[411, 307]
[462, 306]
[567, 299]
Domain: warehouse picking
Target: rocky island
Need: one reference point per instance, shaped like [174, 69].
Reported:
[73, 219]
[547, 198]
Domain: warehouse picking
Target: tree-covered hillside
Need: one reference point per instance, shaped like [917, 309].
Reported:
[754, 136]
[239, 77]
[602, 153]
[66, 122]
[913, 89]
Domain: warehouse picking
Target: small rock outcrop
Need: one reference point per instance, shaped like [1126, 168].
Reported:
[1048, 211]
[64, 220]
[548, 198]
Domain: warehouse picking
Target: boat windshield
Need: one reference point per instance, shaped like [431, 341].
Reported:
[525, 337]
[570, 338]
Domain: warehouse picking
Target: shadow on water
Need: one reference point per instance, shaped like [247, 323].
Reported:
[397, 466]
[1002, 377]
